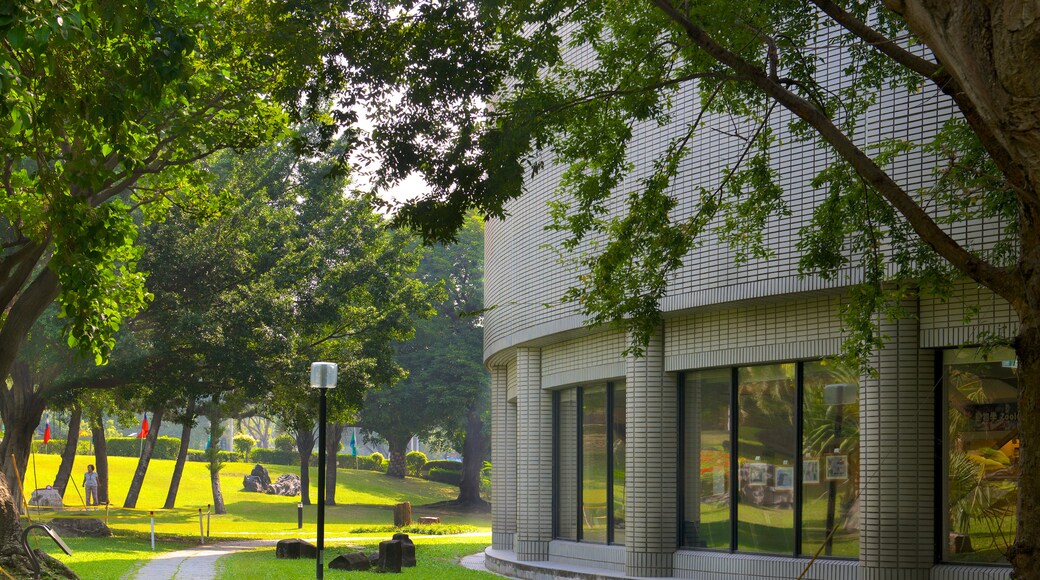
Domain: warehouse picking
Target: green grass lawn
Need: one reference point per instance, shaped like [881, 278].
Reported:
[111, 558]
[366, 499]
[437, 559]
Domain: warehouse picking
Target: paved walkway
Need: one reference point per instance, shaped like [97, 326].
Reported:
[195, 563]
[201, 563]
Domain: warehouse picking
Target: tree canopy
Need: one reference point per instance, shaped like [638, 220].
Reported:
[760, 63]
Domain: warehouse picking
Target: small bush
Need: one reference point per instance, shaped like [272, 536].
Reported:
[285, 442]
[414, 461]
[445, 476]
[244, 444]
[275, 457]
[377, 458]
[165, 447]
[485, 480]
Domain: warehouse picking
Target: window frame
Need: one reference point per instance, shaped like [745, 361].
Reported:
[734, 463]
[580, 458]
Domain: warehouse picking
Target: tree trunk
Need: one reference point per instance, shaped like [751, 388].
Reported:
[182, 455]
[473, 451]
[216, 431]
[146, 456]
[100, 457]
[68, 455]
[332, 438]
[305, 445]
[13, 558]
[398, 448]
[1024, 554]
[21, 410]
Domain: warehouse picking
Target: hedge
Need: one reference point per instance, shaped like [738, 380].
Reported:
[445, 464]
[165, 447]
[448, 476]
[52, 447]
[275, 457]
[372, 462]
[225, 456]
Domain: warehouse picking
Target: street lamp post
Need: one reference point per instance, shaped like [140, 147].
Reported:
[323, 378]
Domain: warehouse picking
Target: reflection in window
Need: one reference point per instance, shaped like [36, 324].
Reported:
[982, 458]
[830, 460]
[594, 464]
[706, 519]
[567, 464]
[589, 470]
[766, 445]
[618, 449]
[774, 469]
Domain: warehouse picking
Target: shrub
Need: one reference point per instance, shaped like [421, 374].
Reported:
[200, 455]
[414, 461]
[285, 442]
[244, 444]
[485, 480]
[275, 457]
[445, 476]
[445, 464]
[377, 458]
[165, 447]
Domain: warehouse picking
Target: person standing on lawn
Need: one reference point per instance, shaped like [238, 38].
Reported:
[90, 485]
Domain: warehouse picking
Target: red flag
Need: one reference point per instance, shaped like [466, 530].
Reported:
[47, 433]
[144, 427]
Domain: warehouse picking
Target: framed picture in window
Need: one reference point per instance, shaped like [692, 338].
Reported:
[718, 481]
[810, 471]
[837, 467]
[785, 478]
[757, 473]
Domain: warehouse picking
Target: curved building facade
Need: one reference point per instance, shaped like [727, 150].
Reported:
[735, 447]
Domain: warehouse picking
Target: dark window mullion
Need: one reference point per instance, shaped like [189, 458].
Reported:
[581, 462]
[556, 464]
[680, 492]
[799, 434]
[734, 484]
[609, 417]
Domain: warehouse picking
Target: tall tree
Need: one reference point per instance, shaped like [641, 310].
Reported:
[446, 388]
[751, 60]
[104, 108]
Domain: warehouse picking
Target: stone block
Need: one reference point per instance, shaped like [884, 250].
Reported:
[407, 550]
[390, 556]
[355, 561]
[294, 549]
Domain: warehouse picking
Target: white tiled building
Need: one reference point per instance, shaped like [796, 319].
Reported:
[734, 448]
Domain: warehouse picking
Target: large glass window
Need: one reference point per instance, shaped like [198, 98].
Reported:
[707, 444]
[830, 463]
[765, 455]
[796, 459]
[590, 463]
[982, 453]
[594, 464]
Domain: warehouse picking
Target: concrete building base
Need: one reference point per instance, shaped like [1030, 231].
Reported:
[711, 566]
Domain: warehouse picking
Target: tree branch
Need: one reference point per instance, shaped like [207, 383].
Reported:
[993, 277]
[937, 74]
